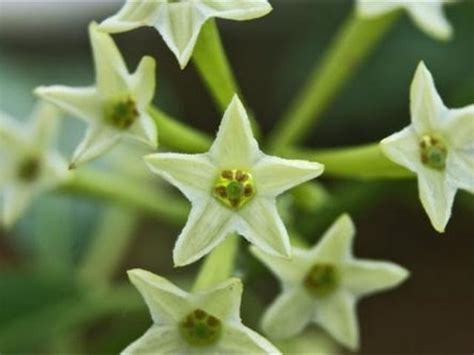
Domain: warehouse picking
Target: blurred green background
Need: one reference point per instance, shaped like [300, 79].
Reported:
[43, 306]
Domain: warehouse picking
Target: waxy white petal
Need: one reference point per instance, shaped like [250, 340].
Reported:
[404, 148]
[143, 82]
[460, 167]
[144, 131]
[374, 8]
[17, 198]
[238, 339]
[430, 18]
[157, 340]
[45, 119]
[236, 9]
[459, 129]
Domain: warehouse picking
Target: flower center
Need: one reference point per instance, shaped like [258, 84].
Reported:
[121, 114]
[321, 280]
[29, 169]
[234, 188]
[199, 328]
[433, 152]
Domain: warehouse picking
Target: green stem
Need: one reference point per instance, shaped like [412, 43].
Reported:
[352, 45]
[361, 162]
[218, 265]
[129, 193]
[178, 136]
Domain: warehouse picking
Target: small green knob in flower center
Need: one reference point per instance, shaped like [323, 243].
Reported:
[121, 113]
[200, 329]
[433, 152]
[234, 188]
[29, 169]
[321, 280]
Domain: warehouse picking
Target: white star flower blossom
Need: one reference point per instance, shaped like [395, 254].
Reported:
[438, 146]
[206, 322]
[427, 14]
[232, 188]
[28, 166]
[116, 107]
[180, 21]
[322, 285]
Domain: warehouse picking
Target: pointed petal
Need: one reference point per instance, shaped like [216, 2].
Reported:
[144, 131]
[429, 16]
[289, 314]
[45, 122]
[437, 196]
[208, 224]
[460, 168]
[459, 129]
[275, 175]
[371, 8]
[17, 199]
[336, 243]
[84, 103]
[168, 304]
[261, 225]
[238, 339]
[132, 15]
[403, 148]
[235, 10]
[223, 301]
[235, 147]
[365, 277]
[96, 142]
[193, 174]
[427, 108]
[165, 339]
[110, 69]
[143, 82]
[337, 314]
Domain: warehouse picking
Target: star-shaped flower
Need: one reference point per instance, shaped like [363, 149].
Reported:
[322, 285]
[27, 165]
[206, 322]
[427, 14]
[116, 107]
[438, 146]
[232, 188]
[180, 21]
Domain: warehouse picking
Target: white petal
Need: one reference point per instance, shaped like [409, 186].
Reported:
[403, 148]
[17, 199]
[144, 131]
[289, 314]
[158, 340]
[236, 9]
[458, 129]
[44, 120]
[168, 304]
[336, 243]
[429, 16]
[337, 314]
[275, 175]
[427, 109]
[110, 69]
[261, 225]
[437, 196]
[96, 142]
[143, 82]
[208, 224]
[364, 277]
[235, 147]
[84, 103]
[223, 301]
[460, 168]
[193, 174]
[375, 8]
[238, 339]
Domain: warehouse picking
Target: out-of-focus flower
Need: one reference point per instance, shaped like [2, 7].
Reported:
[438, 146]
[232, 188]
[323, 284]
[427, 14]
[180, 21]
[206, 322]
[116, 107]
[27, 165]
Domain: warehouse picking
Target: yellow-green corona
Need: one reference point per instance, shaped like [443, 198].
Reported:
[121, 113]
[29, 169]
[321, 280]
[234, 188]
[200, 329]
[433, 152]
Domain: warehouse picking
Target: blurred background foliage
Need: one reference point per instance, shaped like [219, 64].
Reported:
[51, 302]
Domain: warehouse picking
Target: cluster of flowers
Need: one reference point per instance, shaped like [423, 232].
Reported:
[233, 187]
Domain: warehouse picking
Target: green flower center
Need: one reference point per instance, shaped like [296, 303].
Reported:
[234, 188]
[121, 114]
[433, 152]
[29, 169]
[321, 280]
[200, 329]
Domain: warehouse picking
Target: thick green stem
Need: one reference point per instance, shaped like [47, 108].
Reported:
[361, 162]
[352, 45]
[218, 265]
[129, 193]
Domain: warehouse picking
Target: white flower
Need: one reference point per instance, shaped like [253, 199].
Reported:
[206, 322]
[232, 188]
[116, 107]
[427, 14]
[322, 285]
[438, 146]
[27, 166]
[180, 21]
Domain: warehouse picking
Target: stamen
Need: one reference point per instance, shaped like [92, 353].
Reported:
[200, 329]
[321, 280]
[433, 152]
[29, 169]
[234, 188]
[121, 113]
